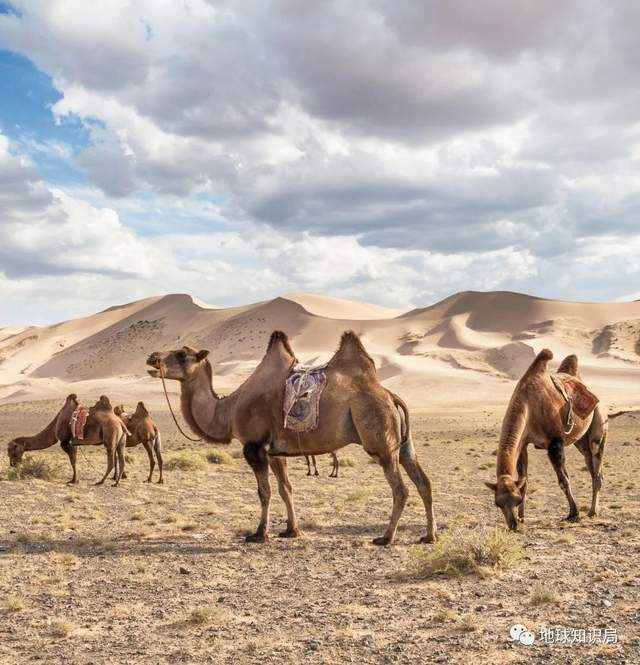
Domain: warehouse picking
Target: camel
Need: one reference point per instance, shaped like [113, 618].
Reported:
[143, 430]
[17, 447]
[539, 414]
[103, 427]
[311, 459]
[355, 408]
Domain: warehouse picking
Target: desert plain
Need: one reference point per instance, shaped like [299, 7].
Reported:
[147, 573]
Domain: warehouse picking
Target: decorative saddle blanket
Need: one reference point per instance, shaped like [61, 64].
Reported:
[78, 421]
[578, 396]
[302, 393]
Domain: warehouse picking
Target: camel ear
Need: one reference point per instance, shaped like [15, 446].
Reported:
[492, 486]
[201, 355]
[521, 483]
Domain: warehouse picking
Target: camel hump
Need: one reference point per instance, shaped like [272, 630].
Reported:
[351, 350]
[104, 403]
[539, 365]
[569, 365]
[279, 337]
[141, 409]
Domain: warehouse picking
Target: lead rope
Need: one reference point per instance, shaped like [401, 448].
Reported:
[173, 415]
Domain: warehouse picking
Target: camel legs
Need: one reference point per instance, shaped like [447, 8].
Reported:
[152, 462]
[392, 474]
[409, 461]
[315, 466]
[119, 455]
[336, 466]
[110, 448]
[72, 452]
[593, 454]
[557, 458]
[157, 447]
[256, 457]
[279, 467]
[523, 462]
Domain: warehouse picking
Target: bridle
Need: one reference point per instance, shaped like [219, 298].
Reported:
[173, 415]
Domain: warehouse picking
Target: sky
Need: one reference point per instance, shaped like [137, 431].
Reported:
[391, 151]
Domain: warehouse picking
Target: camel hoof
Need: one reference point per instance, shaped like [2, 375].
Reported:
[290, 533]
[593, 513]
[572, 518]
[381, 540]
[160, 482]
[72, 482]
[256, 538]
[429, 538]
[148, 480]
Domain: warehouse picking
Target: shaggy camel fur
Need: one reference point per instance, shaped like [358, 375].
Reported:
[143, 430]
[355, 408]
[311, 459]
[538, 414]
[103, 428]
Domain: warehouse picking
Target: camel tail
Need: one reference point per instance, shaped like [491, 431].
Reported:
[405, 431]
[157, 442]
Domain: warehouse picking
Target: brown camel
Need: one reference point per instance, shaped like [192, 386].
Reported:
[311, 459]
[539, 414]
[17, 447]
[143, 430]
[103, 427]
[355, 408]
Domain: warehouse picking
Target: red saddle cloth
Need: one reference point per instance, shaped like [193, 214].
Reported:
[78, 421]
[582, 399]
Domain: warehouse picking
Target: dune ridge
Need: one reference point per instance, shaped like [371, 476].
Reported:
[469, 347]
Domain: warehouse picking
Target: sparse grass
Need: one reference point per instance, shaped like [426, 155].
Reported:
[466, 552]
[61, 628]
[346, 461]
[185, 460]
[468, 623]
[13, 603]
[216, 456]
[543, 595]
[200, 616]
[445, 615]
[30, 467]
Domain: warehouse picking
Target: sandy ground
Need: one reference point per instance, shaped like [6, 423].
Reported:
[161, 574]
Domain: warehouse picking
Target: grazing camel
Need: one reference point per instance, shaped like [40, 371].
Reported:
[143, 430]
[103, 427]
[538, 413]
[17, 447]
[354, 408]
[311, 459]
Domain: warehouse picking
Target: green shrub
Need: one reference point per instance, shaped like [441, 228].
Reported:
[219, 457]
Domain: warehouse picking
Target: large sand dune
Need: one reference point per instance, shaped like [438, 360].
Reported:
[469, 347]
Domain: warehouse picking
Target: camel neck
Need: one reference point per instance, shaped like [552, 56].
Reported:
[511, 436]
[208, 415]
[44, 439]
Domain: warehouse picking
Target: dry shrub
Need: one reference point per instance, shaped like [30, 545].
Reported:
[466, 552]
[185, 460]
[30, 467]
[216, 456]
[346, 461]
[543, 595]
[13, 604]
[200, 616]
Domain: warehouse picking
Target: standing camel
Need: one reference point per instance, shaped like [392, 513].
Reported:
[103, 427]
[143, 430]
[538, 413]
[354, 408]
[311, 459]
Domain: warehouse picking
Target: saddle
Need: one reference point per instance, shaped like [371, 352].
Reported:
[302, 392]
[579, 398]
[78, 421]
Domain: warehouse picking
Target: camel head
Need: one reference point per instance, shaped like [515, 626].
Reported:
[15, 449]
[119, 410]
[181, 364]
[508, 496]
[141, 410]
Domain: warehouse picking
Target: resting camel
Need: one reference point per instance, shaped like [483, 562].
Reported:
[311, 459]
[143, 430]
[539, 414]
[103, 427]
[354, 408]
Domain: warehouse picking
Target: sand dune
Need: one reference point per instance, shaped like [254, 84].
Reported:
[467, 348]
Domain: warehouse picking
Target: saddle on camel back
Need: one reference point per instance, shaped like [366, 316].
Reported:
[581, 400]
[78, 422]
[302, 392]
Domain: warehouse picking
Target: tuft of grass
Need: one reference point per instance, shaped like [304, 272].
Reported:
[543, 595]
[468, 623]
[445, 616]
[61, 628]
[185, 460]
[346, 461]
[199, 616]
[13, 604]
[216, 456]
[466, 552]
[30, 467]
